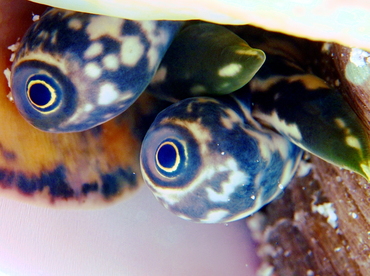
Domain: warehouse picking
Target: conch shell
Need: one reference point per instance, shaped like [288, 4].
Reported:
[346, 22]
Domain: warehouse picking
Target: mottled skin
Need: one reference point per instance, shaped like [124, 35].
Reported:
[74, 71]
[282, 96]
[206, 159]
[228, 165]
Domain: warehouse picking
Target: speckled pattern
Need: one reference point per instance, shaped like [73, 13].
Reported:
[209, 60]
[74, 71]
[219, 164]
[207, 159]
[197, 180]
[305, 108]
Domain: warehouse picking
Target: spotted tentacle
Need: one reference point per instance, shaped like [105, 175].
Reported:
[303, 107]
[74, 71]
[205, 59]
[208, 160]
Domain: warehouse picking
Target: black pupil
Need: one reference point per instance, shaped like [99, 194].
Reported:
[39, 94]
[167, 156]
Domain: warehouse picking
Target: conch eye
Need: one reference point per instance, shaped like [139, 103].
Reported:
[170, 157]
[208, 161]
[43, 93]
[73, 71]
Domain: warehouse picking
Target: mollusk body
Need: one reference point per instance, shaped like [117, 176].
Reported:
[219, 159]
[206, 159]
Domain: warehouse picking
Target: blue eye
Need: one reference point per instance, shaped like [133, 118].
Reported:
[43, 93]
[170, 156]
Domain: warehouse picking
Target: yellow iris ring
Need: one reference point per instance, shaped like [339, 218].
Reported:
[53, 95]
[177, 161]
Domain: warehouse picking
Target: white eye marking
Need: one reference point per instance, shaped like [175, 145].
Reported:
[286, 174]
[88, 107]
[216, 215]
[75, 24]
[132, 50]
[43, 35]
[53, 39]
[160, 37]
[94, 50]
[156, 39]
[108, 94]
[111, 62]
[227, 186]
[353, 142]
[152, 57]
[108, 115]
[126, 96]
[231, 119]
[340, 122]
[147, 26]
[160, 75]
[104, 26]
[247, 52]
[198, 89]
[93, 70]
[230, 70]
[156, 36]
[291, 130]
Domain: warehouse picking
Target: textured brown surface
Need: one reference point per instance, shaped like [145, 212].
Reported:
[294, 236]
